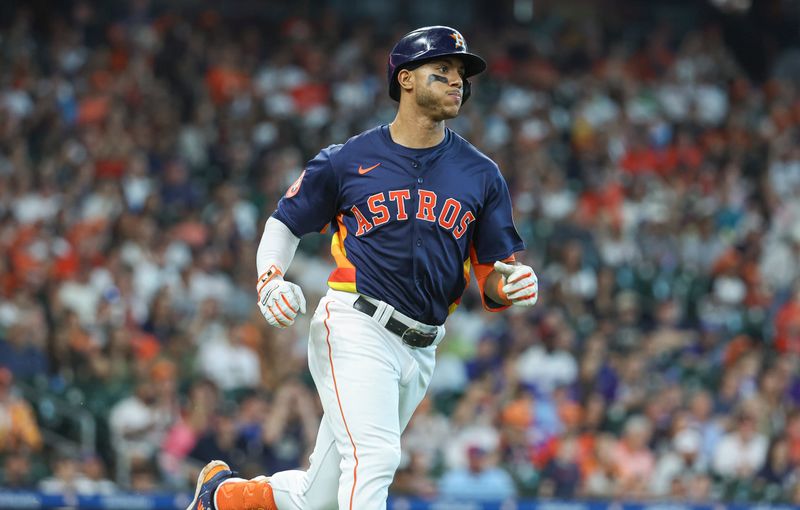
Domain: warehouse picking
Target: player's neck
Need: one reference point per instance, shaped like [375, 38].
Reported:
[416, 131]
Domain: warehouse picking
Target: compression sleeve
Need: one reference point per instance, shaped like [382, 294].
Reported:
[277, 246]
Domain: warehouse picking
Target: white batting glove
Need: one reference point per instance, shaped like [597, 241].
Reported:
[520, 284]
[279, 301]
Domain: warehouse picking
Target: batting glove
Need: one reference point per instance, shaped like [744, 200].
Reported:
[519, 284]
[279, 301]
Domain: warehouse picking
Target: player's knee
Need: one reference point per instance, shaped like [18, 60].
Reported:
[383, 461]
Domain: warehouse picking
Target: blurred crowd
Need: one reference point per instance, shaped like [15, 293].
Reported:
[657, 188]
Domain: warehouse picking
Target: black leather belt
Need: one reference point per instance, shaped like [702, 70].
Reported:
[410, 336]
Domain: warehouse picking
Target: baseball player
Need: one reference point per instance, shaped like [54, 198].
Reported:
[412, 207]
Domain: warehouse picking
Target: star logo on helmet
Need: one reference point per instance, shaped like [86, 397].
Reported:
[459, 39]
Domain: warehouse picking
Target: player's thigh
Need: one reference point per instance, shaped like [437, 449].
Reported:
[415, 385]
[357, 376]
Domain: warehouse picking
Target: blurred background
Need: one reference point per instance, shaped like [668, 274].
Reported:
[651, 149]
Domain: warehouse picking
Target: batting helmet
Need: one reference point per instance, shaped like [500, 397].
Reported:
[427, 43]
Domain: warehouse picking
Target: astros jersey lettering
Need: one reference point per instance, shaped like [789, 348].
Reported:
[406, 222]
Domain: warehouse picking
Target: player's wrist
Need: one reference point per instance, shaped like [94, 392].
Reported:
[493, 290]
[272, 274]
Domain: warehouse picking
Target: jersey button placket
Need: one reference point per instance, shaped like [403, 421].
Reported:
[418, 243]
[417, 280]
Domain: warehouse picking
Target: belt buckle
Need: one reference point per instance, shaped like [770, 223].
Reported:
[417, 338]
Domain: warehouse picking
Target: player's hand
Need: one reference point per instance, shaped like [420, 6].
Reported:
[520, 284]
[280, 302]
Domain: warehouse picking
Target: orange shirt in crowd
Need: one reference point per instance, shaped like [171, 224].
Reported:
[787, 327]
[18, 427]
[224, 83]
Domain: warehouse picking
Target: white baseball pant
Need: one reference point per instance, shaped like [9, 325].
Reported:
[369, 383]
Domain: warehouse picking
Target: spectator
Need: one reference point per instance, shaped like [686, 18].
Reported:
[700, 489]
[787, 323]
[628, 331]
[194, 421]
[425, 437]
[549, 364]
[600, 477]
[229, 361]
[67, 477]
[17, 472]
[290, 428]
[81, 295]
[775, 478]
[144, 479]
[633, 461]
[480, 480]
[515, 439]
[22, 344]
[94, 469]
[561, 476]
[18, 427]
[413, 478]
[136, 427]
[222, 441]
[668, 336]
[793, 437]
[472, 425]
[675, 469]
[742, 452]
[700, 418]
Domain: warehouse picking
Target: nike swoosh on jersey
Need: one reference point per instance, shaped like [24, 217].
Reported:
[362, 170]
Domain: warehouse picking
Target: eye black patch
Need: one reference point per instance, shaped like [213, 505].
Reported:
[435, 77]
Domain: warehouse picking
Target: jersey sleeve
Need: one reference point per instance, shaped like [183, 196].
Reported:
[495, 237]
[310, 203]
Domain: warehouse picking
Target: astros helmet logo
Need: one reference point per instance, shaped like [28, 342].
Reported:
[459, 39]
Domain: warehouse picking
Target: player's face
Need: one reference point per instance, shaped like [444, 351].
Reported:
[439, 87]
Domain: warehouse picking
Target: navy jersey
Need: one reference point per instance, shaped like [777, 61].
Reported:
[406, 222]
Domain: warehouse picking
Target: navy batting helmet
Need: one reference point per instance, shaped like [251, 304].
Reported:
[427, 43]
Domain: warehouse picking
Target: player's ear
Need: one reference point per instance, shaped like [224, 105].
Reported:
[406, 79]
